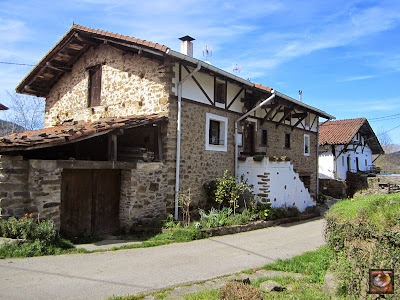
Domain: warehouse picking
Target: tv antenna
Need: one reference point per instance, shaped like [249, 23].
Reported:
[207, 52]
[236, 68]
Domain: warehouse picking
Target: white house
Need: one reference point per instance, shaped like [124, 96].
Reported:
[346, 146]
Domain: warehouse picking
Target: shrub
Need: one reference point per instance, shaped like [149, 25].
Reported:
[284, 212]
[28, 228]
[227, 190]
[239, 290]
[364, 234]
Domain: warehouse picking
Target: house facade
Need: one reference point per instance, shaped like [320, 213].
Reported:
[346, 146]
[137, 118]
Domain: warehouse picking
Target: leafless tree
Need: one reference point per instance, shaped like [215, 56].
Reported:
[25, 113]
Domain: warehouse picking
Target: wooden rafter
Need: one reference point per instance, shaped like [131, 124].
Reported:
[58, 67]
[315, 118]
[234, 98]
[301, 117]
[199, 85]
[284, 116]
[269, 113]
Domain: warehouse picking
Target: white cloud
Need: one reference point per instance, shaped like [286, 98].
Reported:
[355, 78]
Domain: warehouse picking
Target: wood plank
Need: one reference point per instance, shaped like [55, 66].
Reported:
[87, 164]
[234, 98]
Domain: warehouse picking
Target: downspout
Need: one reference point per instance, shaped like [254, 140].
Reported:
[243, 117]
[178, 137]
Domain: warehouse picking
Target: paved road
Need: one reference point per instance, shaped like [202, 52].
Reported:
[101, 275]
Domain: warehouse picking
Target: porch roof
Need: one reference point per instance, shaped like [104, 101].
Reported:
[70, 132]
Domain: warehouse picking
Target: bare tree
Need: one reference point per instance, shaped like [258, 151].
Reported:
[25, 113]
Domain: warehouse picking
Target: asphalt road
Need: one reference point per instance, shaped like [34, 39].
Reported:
[101, 275]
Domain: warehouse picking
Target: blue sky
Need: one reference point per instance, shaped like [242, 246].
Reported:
[344, 55]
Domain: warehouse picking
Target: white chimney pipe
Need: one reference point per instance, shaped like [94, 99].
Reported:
[300, 95]
[187, 45]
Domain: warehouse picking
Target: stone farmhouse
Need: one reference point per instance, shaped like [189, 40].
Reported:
[130, 123]
[346, 146]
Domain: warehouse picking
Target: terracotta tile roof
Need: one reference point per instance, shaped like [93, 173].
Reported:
[71, 132]
[262, 87]
[120, 37]
[339, 132]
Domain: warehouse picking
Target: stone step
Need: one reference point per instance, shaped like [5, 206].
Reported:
[262, 195]
[265, 179]
[266, 174]
[264, 184]
[266, 190]
[262, 176]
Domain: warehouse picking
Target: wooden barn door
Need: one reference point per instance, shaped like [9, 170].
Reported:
[89, 201]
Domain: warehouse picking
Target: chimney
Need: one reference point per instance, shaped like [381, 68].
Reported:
[187, 45]
[300, 95]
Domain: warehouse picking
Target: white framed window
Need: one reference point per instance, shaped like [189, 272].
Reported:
[216, 132]
[306, 145]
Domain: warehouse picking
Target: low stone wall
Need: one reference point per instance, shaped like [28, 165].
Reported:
[334, 188]
[376, 185]
[30, 186]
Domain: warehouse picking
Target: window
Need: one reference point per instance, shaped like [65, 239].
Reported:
[306, 145]
[214, 135]
[220, 91]
[94, 88]
[264, 137]
[216, 132]
[287, 140]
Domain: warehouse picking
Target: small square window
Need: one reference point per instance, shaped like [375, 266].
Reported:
[216, 132]
[287, 140]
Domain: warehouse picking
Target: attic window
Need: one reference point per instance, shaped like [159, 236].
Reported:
[220, 91]
[306, 145]
[94, 88]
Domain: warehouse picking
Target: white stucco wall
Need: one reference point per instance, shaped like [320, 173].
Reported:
[285, 185]
[353, 152]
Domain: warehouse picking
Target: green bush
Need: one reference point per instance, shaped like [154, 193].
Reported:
[364, 234]
[227, 190]
[283, 212]
[28, 228]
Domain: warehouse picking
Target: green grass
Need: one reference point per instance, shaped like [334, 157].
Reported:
[382, 212]
[204, 295]
[313, 264]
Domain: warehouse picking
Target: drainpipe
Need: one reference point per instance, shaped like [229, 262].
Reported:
[243, 117]
[178, 137]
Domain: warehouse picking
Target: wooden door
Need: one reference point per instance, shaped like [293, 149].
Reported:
[89, 201]
[248, 139]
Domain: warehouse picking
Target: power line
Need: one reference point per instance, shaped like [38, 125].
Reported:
[13, 63]
[390, 116]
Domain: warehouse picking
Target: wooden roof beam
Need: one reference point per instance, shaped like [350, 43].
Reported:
[269, 113]
[284, 117]
[58, 67]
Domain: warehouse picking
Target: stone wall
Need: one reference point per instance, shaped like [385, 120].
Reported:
[131, 85]
[377, 185]
[14, 195]
[334, 188]
[30, 187]
[198, 165]
[145, 194]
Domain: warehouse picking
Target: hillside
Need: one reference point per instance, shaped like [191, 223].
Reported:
[389, 163]
[7, 128]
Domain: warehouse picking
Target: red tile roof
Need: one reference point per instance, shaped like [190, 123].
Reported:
[120, 37]
[70, 132]
[339, 132]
